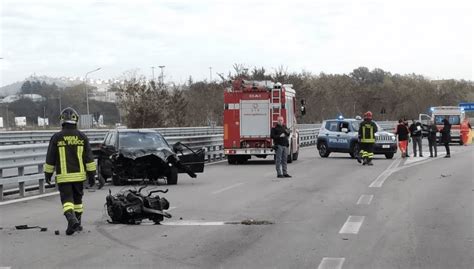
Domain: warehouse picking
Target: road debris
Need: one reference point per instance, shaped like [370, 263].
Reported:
[251, 222]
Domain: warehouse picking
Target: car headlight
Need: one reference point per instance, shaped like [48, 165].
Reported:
[393, 138]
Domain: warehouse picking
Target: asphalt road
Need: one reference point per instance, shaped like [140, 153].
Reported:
[333, 213]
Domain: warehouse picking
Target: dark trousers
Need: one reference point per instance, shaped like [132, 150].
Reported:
[446, 145]
[71, 196]
[417, 143]
[367, 150]
[433, 146]
[281, 156]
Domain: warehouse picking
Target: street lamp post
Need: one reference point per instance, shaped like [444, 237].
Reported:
[210, 74]
[153, 72]
[87, 91]
[161, 67]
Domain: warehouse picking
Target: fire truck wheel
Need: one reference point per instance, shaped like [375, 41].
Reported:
[172, 177]
[295, 155]
[231, 160]
[290, 156]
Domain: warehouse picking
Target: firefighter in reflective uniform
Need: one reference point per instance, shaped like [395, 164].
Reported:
[367, 132]
[69, 153]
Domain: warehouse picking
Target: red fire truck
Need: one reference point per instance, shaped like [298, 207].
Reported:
[251, 109]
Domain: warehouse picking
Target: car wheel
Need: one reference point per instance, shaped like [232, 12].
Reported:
[117, 180]
[323, 150]
[100, 173]
[389, 155]
[355, 150]
[172, 177]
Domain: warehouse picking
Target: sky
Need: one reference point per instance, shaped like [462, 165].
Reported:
[69, 38]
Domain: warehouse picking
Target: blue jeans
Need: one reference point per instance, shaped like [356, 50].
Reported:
[281, 155]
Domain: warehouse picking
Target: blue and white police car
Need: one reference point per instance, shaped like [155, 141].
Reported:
[341, 135]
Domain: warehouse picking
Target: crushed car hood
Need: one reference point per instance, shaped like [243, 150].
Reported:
[133, 153]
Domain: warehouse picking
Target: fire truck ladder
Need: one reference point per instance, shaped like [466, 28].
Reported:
[276, 104]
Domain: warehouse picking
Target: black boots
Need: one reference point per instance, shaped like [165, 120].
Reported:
[78, 216]
[72, 222]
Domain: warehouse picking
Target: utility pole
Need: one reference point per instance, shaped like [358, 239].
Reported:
[44, 117]
[210, 74]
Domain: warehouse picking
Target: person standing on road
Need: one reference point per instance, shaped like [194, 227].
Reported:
[405, 121]
[367, 130]
[280, 134]
[446, 137]
[416, 135]
[432, 130]
[402, 133]
[465, 130]
[69, 153]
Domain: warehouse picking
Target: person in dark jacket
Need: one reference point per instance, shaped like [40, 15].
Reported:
[416, 136]
[432, 130]
[402, 133]
[70, 155]
[367, 130]
[280, 134]
[446, 137]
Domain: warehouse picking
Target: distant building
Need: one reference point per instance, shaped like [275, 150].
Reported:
[15, 97]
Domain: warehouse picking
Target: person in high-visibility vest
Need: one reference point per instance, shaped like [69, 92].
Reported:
[465, 129]
[70, 155]
[367, 130]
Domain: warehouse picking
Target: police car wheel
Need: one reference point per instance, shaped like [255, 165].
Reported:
[354, 150]
[323, 150]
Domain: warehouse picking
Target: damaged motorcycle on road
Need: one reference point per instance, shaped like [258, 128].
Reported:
[132, 206]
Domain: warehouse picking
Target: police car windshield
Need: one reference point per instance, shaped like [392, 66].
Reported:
[141, 140]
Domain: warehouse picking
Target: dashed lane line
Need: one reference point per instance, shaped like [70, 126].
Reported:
[331, 263]
[227, 188]
[378, 182]
[365, 199]
[352, 225]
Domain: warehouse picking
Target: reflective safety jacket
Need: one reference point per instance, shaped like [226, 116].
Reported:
[367, 131]
[70, 154]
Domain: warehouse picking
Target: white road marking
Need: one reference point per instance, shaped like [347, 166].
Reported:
[227, 188]
[352, 225]
[192, 223]
[28, 198]
[365, 199]
[378, 182]
[331, 263]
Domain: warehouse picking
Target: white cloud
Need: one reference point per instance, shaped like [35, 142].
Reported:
[69, 38]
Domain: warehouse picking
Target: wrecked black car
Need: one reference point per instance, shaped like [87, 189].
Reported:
[144, 154]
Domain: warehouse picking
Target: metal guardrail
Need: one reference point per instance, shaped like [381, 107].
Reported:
[24, 163]
[28, 137]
